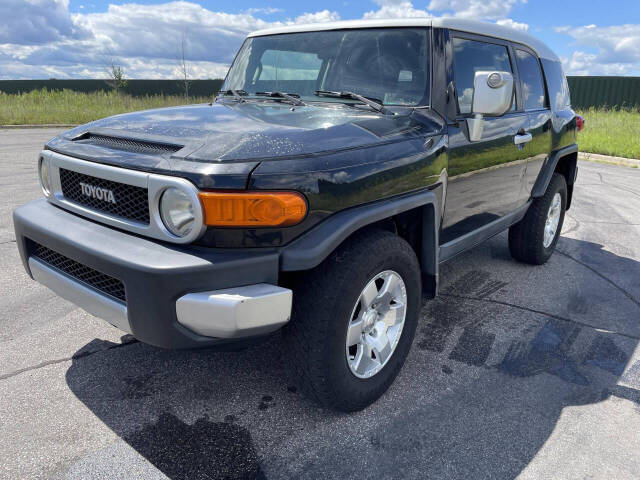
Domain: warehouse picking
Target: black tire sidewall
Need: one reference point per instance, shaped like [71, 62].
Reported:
[338, 371]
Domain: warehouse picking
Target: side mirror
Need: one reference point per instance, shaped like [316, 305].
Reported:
[492, 95]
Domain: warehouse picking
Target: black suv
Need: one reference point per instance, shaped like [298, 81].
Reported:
[338, 167]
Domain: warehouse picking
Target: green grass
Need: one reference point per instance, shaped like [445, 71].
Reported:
[611, 132]
[66, 106]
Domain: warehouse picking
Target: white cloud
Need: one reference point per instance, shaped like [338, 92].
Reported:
[144, 39]
[617, 43]
[36, 22]
[41, 39]
[264, 10]
[615, 50]
[155, 31]
[475, 9]
[582, 63]
[507, 22]
[318, 17]
[396, 9]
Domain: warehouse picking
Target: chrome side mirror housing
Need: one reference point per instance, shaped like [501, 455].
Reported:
[492, 95]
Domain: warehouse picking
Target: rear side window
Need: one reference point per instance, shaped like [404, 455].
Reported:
[557, 84]
[471, 56]
[531, 79]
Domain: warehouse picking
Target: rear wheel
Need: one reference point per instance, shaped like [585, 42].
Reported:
[354, 319]
[534, 238]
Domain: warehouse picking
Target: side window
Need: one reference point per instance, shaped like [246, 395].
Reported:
[556, 84]
[471, 56]
[531, 79]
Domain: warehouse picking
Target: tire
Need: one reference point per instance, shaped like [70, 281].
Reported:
[324, 302]
[527, 237]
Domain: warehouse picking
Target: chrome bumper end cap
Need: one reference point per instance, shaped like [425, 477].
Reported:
[236, 312]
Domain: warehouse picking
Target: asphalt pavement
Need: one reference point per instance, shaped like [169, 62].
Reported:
[516, 371]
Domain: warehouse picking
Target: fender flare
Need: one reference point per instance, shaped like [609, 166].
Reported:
[544, 177]
[312, 247]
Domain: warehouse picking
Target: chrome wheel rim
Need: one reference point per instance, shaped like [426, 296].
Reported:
[376, 323]
[553, 219]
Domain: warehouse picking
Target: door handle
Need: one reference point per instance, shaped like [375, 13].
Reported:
[522, 138]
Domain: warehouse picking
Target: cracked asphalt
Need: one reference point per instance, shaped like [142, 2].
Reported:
[516, 371]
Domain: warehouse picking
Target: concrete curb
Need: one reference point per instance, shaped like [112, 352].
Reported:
[45, 125]
[622, 161]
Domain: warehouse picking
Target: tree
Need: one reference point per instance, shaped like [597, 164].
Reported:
[184, 68]
[116, 76]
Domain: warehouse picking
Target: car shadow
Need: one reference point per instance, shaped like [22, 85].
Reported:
[482, 391]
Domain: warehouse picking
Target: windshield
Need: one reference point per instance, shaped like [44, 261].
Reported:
[387, 64]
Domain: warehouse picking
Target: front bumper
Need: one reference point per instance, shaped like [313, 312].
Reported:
[176, 296]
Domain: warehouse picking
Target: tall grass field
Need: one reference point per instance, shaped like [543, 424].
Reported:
[607, 131]
[611, 132]
[69, 107]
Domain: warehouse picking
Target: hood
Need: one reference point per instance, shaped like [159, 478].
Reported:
[225, 141]
[227, 131]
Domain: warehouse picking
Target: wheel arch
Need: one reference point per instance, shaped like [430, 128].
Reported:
[414, 217]
[563, 161]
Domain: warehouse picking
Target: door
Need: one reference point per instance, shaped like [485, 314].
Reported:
[485, 176]
[536, 104]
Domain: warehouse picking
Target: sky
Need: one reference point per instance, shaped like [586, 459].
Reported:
[80, 38]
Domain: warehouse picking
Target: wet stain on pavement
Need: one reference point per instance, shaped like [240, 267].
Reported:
[548, 352]
[577, 303]
[605, 354]
[469, 282]
[490, 288]
[473, 347]
[204, 450]
[446, 315]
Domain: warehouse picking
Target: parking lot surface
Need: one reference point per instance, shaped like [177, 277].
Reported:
[516, 371]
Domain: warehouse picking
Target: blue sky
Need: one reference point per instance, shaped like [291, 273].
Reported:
[78, 38]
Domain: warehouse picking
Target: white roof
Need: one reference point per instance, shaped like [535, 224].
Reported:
[469, 26]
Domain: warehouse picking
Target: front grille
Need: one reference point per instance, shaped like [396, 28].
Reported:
[128, 144]
[93, 278]
[131, 202]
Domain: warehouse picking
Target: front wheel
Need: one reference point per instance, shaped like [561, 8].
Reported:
[353, 321]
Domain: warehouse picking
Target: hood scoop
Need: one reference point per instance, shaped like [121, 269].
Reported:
[127, 144]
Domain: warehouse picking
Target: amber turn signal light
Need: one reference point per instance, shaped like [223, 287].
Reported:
[253, 209]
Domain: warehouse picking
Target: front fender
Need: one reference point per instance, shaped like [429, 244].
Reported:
[310, 249]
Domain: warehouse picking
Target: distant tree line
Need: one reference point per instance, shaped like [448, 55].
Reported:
[613, 92]
[136, 88]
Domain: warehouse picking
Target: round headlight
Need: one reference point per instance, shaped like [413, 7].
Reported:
[44, 177]
[177, 212]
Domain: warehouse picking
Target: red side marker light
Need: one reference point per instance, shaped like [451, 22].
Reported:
[579, 122]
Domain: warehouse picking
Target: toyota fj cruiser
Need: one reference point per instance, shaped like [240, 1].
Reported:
[338, 167]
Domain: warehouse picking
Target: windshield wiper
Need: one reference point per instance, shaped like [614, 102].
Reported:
[374, 103]
[291, 97]
[237, 94]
